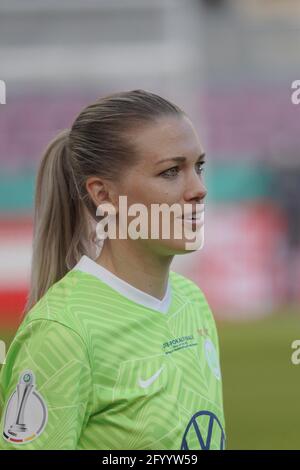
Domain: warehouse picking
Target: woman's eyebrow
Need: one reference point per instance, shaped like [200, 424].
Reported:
[180, 159]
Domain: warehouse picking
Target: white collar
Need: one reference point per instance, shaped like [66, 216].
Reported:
[88, 265]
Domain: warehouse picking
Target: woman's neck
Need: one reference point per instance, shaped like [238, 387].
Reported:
[131, 262]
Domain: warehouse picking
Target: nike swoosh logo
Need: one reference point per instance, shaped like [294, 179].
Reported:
[147, 383]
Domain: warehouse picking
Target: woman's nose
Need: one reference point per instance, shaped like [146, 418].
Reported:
[196, 189]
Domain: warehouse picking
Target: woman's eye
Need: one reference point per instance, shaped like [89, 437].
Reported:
[201, 164]
[170, 172]
[174, 170]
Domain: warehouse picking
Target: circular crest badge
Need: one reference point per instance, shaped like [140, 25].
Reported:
[26, 412]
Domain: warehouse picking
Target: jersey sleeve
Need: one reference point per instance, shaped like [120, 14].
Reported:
[45, 388]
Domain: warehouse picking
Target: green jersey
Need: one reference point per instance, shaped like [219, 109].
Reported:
[99, 364]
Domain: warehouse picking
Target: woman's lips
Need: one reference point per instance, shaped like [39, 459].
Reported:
[193, 220]
[197, 216]
[198, 221]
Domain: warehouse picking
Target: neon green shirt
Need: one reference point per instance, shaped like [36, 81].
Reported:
[99, 364]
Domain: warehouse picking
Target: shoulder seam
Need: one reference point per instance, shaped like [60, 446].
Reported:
[189, 281]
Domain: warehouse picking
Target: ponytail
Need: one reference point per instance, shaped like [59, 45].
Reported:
[61, 221]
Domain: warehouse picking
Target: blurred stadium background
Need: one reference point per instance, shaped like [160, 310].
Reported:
[230, 65]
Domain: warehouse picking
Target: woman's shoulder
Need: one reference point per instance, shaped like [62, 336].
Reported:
[192, 293]
[187, 286]
[54, 305]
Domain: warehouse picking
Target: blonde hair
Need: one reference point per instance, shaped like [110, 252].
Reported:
[64, 213]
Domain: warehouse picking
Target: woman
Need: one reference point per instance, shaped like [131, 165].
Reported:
[116, 351]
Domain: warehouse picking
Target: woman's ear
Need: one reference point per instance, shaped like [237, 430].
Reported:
[102, 193]
[96, 189]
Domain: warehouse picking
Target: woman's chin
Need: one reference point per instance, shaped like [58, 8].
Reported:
[181, 247]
